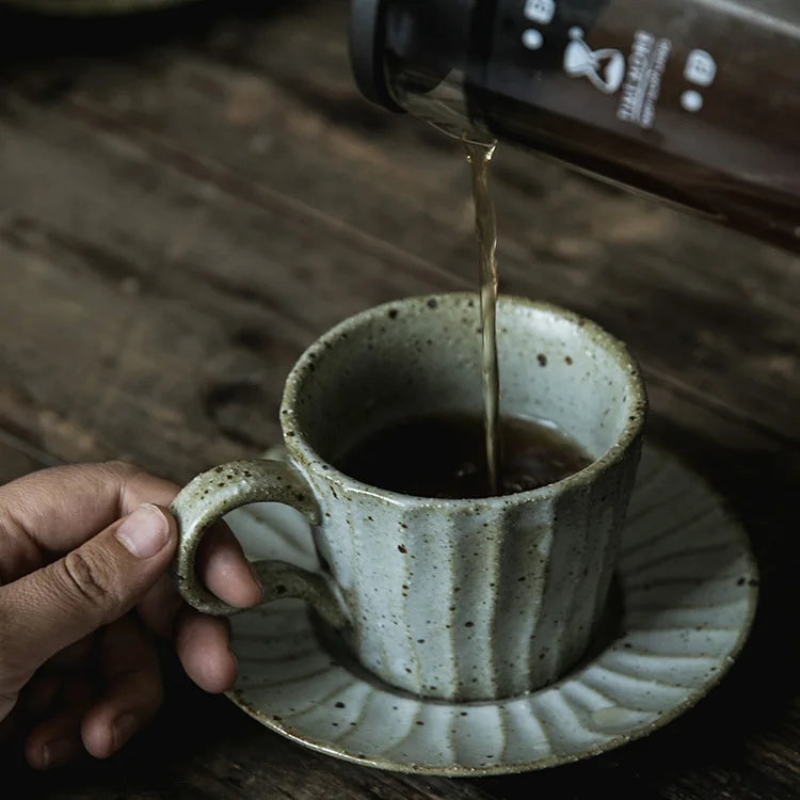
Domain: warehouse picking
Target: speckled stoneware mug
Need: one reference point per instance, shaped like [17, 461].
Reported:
[451, 599]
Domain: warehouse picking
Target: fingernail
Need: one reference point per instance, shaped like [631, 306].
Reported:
[59, 752]
[123, 727]
[145, 532]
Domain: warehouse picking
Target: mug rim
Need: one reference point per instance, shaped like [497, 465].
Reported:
[300, 450]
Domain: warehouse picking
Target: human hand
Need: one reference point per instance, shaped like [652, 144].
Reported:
[84, 552]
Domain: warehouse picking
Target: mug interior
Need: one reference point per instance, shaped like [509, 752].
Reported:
[422, 356]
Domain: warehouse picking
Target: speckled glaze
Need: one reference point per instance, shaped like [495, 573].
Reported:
[457, 600]
[688, 589]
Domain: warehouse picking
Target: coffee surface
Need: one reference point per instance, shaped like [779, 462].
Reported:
[444, 456]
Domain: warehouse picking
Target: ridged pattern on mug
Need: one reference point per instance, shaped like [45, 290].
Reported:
[463, 590]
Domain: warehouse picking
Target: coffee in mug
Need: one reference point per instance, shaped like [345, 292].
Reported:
[444, 455]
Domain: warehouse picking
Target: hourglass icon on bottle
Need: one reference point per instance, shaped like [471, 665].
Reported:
[605, 69]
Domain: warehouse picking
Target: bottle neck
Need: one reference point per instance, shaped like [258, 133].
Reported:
[414, 55]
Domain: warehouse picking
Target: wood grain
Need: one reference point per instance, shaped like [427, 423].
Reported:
[189, 199]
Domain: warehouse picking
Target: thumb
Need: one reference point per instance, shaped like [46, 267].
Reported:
[47, 610]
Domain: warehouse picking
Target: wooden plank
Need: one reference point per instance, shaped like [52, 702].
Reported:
[156, 338]
[18, 457]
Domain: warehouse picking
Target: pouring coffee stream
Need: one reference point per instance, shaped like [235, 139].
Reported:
[480, 156]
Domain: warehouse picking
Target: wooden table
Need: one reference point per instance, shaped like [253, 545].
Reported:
[187, 200]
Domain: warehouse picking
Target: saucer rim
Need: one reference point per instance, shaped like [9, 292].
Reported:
[738, 536]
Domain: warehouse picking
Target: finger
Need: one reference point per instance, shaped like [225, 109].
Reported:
[133, 688]
[160, 606]
[51, 608]
[9, 723]
[40, 694]
[53, 511]
[203, 646]
[56, 741]
[223, 568]
[73, 655]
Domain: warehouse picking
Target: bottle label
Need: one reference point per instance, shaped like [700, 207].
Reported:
[636, 76]
[642, 86]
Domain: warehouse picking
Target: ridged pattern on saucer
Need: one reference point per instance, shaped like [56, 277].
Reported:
[688, 583]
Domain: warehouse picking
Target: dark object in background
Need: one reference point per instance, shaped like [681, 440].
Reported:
[92, 7]
[694, 101]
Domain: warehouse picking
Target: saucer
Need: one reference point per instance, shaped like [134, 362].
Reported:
[688, 583]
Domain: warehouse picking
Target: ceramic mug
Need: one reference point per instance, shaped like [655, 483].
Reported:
[461, 600]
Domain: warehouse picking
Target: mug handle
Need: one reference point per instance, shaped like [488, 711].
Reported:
[213, 494]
